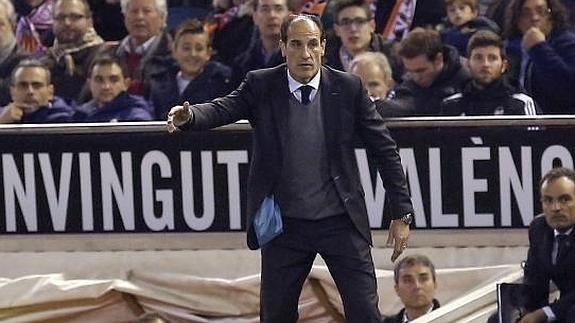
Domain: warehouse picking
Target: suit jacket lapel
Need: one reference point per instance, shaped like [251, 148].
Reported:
[330, 98]
[280, 105]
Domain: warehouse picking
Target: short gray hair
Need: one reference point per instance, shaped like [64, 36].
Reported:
[161, 6]
[376, 58]
[9, 9]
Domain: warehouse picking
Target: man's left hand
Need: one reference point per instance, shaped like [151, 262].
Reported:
[398, 236]
[535, 317]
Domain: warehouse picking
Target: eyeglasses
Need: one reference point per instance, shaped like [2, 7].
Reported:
[541, 11]
[73, 17]
[356, 22]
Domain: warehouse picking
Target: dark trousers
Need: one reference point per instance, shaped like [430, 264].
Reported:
[287, 261]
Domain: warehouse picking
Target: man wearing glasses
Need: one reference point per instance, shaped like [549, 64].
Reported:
[33, 99]
[541, 49]
[354, 27]
[75, 46]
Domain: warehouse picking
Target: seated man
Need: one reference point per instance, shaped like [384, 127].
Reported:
[194, 77]
[110, 101]
[551, 255]
[33, 99]
[354, 27]
[375, 72]
[75, 46]
[415, 284]
[488, 92]
[9, 54]
[433, 71]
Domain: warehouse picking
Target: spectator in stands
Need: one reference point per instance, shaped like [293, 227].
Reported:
[230, 22]
[354, 27]
[415, 284]
[194, 78]
[75, 46]
[551, 255]
[542, 53]
[463, 22]
[34, 28]
[110, 102]
[375, 72]
[433, 72]
[33, 99]
[264, 50]
[108, 19]
[9, 56]
[488, 92]
[146, 49]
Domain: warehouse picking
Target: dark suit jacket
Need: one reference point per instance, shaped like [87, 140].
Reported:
[539, 271]
[348, 113]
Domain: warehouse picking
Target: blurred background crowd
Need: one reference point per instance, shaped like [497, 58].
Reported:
[131, 60]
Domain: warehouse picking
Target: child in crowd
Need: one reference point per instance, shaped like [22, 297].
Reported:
[194, 77]
[463, 22]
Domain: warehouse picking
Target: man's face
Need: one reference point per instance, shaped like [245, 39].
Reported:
[373, 79]
[269, 15]
[354, 29]
[31, 88]
[6, 31]
[143, 20]
[459, 13]
[558, 203]
[303, 49]
[416, 287]
[106, 82]
[486, 64]
[535, 13]
[192, 52]
[70, 21]
[422, 70]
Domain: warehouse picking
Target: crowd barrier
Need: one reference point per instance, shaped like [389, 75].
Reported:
[120, 209]
[463, 173]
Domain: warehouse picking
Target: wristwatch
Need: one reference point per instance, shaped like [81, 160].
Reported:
[407, 218]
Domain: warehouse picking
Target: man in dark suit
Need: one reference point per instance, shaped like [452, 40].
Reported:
[551, 255]
[305, 119]
[415, 284]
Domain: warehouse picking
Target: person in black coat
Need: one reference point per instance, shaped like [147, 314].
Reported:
[315, 182]
[433, 72]
[193, 77]
[541, 51]
[415, 284]
[551, 255]
[488, 92]
[355, 30]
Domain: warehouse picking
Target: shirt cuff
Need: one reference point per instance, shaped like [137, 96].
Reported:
[550, 315]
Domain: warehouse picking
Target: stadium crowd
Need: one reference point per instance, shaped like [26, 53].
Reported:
[521, 62]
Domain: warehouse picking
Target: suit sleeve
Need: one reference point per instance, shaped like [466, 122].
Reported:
[228, 109]
[383, 149]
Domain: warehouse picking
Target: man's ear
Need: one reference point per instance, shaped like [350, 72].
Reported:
[283, 48]
[504, 66]
[51, 91]
[127, 82]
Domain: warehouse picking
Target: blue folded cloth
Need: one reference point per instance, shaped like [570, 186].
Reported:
[268, 221]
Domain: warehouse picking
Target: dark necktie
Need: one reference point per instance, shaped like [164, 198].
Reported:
[561, 247]
[305, 92]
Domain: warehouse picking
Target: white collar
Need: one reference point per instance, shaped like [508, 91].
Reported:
[556, 233]
[406, 319]
[126, 45]
[294, 85]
